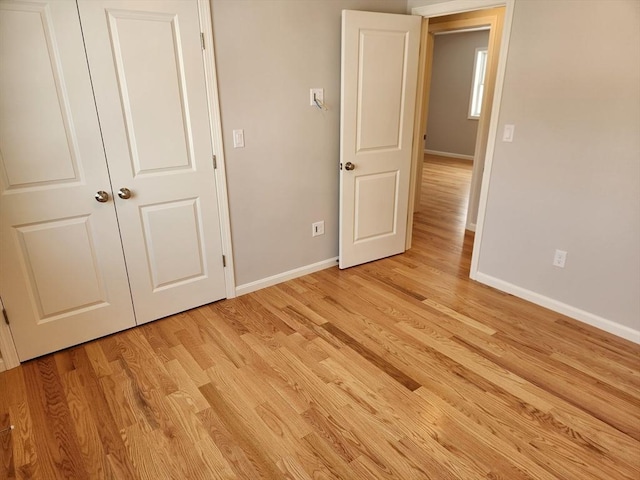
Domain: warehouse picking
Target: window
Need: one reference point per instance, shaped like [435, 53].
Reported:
[477, 86]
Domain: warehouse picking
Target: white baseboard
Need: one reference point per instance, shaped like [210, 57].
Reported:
[470, 226]
[557, 306]
[2, 367]
[449, 154]
[284, 276]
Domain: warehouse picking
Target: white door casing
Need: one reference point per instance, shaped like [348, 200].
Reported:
[148, 74]
[63, 279]
[378, 100]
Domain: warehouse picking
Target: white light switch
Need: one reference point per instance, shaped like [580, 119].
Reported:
[507, 135]
[238, 139]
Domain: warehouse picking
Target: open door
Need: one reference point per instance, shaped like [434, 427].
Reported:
[380, 54]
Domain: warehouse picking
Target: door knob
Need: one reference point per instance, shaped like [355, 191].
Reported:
[102, 196]
[124, 193]
[349, 166]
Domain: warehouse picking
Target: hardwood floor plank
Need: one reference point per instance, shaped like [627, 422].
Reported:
[54, 435]
[373, 358]
[89, 441]
[232, 418]
[397, 369]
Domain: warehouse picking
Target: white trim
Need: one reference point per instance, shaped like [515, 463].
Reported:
[557, 306]
[491, 141]
[449, 154]
[2, 368]
[456, 6]
[470, 226]
[7, 347]
[206, 25]
[284, 276]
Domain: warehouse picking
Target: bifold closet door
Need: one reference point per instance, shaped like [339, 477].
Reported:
[62, 274]
[147, 68]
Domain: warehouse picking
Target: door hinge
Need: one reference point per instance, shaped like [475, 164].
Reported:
[215, 162]
[424, 137]
[224, 260]
[4, 312]
[202, 40]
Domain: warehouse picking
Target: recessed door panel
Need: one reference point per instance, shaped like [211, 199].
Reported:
[61, 263]
[38, 137]
[169, 228]
[377, 194]
[62, 274]
[147, 51]
[381, 90]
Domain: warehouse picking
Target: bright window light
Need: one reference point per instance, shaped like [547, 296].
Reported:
[477, 86]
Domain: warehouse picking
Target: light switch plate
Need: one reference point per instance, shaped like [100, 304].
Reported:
[238, 138]
[319, 95]
[507, 135]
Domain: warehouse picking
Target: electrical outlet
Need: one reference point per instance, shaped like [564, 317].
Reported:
[317, 228]
[559, 258]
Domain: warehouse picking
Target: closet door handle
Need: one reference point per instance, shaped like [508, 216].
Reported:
[124, 193]
[102, 196]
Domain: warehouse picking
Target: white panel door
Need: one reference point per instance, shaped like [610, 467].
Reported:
[147, 68]
[379, 79]
[62, 274]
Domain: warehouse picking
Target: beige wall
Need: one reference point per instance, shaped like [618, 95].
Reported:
[449, 128]
[571, 177]
[269, 53]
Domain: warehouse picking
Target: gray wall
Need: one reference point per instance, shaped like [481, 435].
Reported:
[269, 53]
[571, 177]
[448, 127]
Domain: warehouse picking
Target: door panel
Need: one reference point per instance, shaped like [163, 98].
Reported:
[380, 91]
[62, 245]
[376, 206]
[159, 134]
[165, 226]
[148, 74]
[62, 274]
[379, 79]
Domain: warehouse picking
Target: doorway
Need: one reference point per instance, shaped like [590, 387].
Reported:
[493, 19]
[457, 80]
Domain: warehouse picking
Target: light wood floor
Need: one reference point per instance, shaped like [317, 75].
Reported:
[401, 368]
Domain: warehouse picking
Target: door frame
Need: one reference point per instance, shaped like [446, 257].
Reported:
[8, 352]
[493, 20]
[437, 10]
[215, 128]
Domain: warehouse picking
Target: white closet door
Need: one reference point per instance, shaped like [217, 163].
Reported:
[62, 274]
[147, 68]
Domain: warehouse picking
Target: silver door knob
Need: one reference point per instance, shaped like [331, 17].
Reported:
[349, 166]
[124, 193]
[102, 196]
